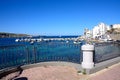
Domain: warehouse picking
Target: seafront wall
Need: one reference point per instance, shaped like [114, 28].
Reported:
[106, 51]
[78, 67]
[11, 56]
[105, 54]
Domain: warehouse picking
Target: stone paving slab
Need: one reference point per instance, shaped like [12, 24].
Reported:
[66, 73]
[50, 73]
[110, 73]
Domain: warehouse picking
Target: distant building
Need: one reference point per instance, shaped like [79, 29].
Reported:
[99, 31]
[103, 32]
[87, 33]
[95, 32]
[115, 26]
[102, 28]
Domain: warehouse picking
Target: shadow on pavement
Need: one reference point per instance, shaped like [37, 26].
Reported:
[21, 78]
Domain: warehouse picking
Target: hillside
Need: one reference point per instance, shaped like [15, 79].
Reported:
[8, 35]
[114, 33]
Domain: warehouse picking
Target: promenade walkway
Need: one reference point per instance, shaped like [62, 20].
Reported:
[110, 73]
[67, 73]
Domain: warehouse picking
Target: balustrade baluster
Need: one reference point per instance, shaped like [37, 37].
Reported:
[27, 54]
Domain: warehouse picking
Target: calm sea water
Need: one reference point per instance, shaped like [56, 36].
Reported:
[19, 53]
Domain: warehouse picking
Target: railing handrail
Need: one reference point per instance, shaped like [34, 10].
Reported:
[8, 46]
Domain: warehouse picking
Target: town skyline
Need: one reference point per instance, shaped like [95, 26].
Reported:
[56, 17]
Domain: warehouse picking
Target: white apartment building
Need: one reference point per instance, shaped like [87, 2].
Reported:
[116, 26]
[102, 28]
[95, 32]
[99, 30]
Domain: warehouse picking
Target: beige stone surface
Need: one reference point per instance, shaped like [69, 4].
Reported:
[65, 73]
[110, 73]
[51, 73]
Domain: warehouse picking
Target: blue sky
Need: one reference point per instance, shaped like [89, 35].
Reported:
[56, 17]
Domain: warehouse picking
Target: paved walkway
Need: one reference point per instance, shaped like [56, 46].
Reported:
[66, 73]
[49, 73]
[110, 73]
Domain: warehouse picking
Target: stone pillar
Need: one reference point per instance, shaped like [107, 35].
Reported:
[87, 56]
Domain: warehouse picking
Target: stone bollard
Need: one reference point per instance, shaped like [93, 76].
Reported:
[87, 56]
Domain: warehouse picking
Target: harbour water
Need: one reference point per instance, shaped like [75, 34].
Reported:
[20, 53]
